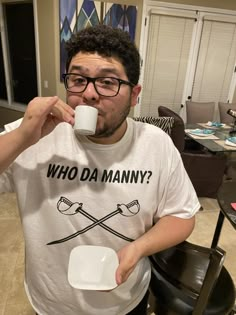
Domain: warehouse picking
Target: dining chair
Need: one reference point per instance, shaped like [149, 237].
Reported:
[205, 170]
[190, 279]
[178, 133]
[199, 112]
[177, 130]
[223, 108]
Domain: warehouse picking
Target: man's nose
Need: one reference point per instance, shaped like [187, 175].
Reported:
[90, 91]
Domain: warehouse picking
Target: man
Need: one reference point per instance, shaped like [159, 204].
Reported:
[127, 166]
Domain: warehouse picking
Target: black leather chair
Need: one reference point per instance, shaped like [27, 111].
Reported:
[177, 131]
[189, 279]
[206, 171]
[178, 135]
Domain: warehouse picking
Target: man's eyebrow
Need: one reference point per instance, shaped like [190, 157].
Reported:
[105, 71]
[76, 67]
[101, 71]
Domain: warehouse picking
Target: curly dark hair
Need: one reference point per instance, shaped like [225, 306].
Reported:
[107, 42]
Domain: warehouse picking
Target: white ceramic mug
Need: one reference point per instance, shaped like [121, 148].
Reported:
[85, 119]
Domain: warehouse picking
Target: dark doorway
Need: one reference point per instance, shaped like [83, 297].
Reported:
[3, 90]
[21, 40]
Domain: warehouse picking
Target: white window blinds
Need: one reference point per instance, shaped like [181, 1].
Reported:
[168, 47]
[216, 60]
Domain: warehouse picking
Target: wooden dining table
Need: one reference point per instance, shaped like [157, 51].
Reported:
[215, 143]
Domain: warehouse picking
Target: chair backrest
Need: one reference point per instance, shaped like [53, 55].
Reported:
[177, 131]
[206, 171]
[223, 108]
[199, 112]
[192, 269]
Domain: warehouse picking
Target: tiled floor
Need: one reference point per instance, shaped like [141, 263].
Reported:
[13, 300]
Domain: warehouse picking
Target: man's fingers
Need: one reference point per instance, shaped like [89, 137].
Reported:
[62, 111]
[49, 104]
[122, 275]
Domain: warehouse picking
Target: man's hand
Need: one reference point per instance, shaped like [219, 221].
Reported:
[43, 114]
[128, 259]
[167, 232]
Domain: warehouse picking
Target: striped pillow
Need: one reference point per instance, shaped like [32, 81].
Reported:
[165, 123]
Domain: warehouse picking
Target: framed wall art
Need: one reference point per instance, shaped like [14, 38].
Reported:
[78, 14]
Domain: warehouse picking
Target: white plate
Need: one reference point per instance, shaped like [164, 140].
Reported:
[230, 143]
[232, 139]
[199, 132]
[92, 268]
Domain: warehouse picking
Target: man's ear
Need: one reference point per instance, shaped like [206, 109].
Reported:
[134, 94]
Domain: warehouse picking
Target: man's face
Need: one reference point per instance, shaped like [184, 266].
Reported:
[112, 111]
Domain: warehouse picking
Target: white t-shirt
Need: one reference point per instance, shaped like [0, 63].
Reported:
[142, 175]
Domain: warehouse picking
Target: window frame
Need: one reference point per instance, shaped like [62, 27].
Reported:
[172, 8]
[9, 103]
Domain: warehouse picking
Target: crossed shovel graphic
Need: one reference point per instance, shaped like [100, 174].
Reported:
[127, 210]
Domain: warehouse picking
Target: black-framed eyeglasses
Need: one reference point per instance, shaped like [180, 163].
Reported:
[104, 86]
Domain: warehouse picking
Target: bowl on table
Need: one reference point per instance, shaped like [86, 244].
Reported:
[202, 132]
[215, 124]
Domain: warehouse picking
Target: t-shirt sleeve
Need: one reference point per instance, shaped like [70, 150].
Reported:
[178, 197]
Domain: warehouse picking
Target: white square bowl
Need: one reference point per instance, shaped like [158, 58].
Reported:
[92, 268]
